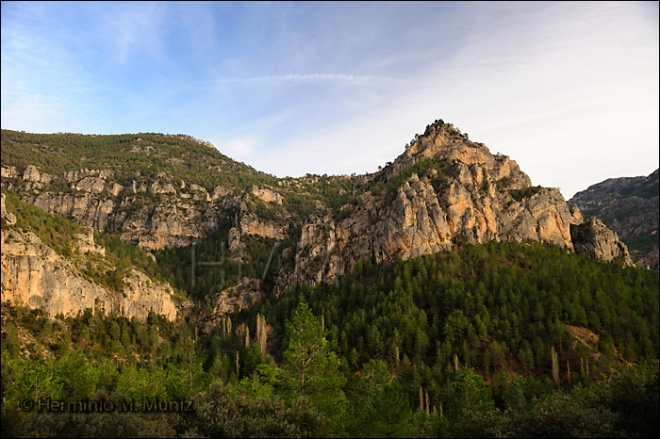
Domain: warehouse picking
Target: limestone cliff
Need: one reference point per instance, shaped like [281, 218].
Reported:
[596, 241]
[152, 215]
[152, 190]
[239, 297]
[460, 192]
[158, 191]
[36, 276]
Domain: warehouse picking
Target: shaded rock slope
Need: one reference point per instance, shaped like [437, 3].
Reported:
[630, 207]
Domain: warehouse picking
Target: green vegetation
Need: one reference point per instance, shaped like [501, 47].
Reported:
[496, 340]
[643, 243]
[57, 232]
[168, 159]
[63, 235]
[438, 123]
[502, 340]
[641, 191]
[332, 192]
[528, 192]
[139, 157]
[437, 170]
[208, 266]
[487, 341]
[503, 183]
[496, 307]
[124, 256]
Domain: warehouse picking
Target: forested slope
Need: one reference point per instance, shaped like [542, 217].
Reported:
[502, 340]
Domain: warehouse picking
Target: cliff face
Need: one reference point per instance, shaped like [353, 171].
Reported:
[152, 215]
[629, 206]
[593, 239]
[443, 190]
[36, 276]
[461, 193]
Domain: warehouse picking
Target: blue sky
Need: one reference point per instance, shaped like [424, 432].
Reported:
[567, 89]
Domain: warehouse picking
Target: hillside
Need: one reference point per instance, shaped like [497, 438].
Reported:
[629, 206]
[189, 295]
[163, 192]
[502, 340]
[156, 190]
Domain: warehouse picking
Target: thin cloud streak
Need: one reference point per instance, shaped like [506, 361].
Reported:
[340, 88]
[314, 77]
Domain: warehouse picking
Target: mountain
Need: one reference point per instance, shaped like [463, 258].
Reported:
[442, 191]
[629, 206]
[153, 286]
[185, 202]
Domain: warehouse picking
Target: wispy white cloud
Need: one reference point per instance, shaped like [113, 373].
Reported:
[133, 29]
[322, 87]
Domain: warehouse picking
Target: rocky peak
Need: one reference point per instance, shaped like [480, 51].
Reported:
[595, 240]
[444, 142]
[443, 190]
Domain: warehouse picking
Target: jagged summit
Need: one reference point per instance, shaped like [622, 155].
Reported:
[443, 142]
[444, 189]
[446, 142]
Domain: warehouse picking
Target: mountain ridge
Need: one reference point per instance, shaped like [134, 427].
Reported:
[164, 191]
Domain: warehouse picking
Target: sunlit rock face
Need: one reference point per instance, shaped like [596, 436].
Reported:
[34, 275]
[466, 194]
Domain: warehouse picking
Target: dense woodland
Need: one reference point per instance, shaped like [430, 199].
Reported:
[501, 340]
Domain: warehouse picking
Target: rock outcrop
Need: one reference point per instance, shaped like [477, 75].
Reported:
[443, 190]
[152, 215]
[34, 275]
[9, 217]
[246, 293]
[594, 240]
[460, 193]
[266, 195]
[630, 207]
[252, 225]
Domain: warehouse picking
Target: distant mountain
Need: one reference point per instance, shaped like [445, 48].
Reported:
[629, 206]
